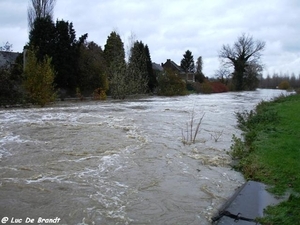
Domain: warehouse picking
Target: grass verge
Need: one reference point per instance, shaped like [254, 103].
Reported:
[270, 153]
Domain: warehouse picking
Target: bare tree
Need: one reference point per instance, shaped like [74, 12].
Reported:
[223, 74]
[39, 9]
[244, 52]
[130, 42]
[7, 47]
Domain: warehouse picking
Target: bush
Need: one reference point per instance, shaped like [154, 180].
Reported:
[206, 88]
[39, 77]
[10, 91]
[238, 149]
[284, 85]
[252, 123]
[99, 94]
[248, 120]
[218, 87]
[210, 87]
[169, 84]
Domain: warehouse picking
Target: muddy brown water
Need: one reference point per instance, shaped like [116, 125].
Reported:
[120, 162]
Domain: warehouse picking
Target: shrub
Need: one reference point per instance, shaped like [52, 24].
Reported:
[248, 120]
[10, 91]
[238, 149]
[206, 88]
[169, 84]
[211, 87]
[218, 87]
[99, 94]
[39, 77]
[284, 85]
[196, 87]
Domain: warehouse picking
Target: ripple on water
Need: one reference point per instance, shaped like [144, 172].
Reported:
[120, 162]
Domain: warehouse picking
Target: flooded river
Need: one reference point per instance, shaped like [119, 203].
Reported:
[120, 162]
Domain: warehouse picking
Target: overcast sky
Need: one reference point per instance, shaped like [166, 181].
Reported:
[170, 27]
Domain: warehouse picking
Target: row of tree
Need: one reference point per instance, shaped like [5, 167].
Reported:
[133, 77]
[77, 66]
[83, 67]
[56, 61]
[283, 81]
[188, 65]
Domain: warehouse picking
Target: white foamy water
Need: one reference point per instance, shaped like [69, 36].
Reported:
[121, 162]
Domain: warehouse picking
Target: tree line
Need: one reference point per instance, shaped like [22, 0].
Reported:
[58, 64]
[76, 67]
[81, 66]
[282, 81]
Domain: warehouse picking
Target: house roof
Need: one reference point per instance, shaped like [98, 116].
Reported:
[157, 67]
[178, 67]
[171, 64]
[7, 58]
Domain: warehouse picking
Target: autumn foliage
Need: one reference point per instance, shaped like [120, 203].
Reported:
[208, 87]
[218, 87]
[169, 84]
[38, 79]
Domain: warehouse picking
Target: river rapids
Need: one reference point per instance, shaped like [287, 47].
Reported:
[121, 162]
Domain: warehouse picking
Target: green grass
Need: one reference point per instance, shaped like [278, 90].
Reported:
[271, 153]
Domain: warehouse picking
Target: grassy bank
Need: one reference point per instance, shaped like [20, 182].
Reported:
[270, 153]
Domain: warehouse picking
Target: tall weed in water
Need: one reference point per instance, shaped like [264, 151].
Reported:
[216, 135]
[189, 135]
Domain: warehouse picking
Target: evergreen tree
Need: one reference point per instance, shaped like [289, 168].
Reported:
[137, 72]
[66, 57]
[187, 63]
[152, 82]
[92, 68]
[38, 79]
[58, 41]
[114, 55]
[114, 48]
[199, 76]
[42, 37]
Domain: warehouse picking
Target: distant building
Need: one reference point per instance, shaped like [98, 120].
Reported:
[169, 64]
[8, 58]
[157, 67]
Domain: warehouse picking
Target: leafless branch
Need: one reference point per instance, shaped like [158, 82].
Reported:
[39, 9]
[191, 133]
[244, 48]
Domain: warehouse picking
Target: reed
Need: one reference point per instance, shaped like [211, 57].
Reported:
[192, 129]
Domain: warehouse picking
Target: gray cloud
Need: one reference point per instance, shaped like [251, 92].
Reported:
[171, 27]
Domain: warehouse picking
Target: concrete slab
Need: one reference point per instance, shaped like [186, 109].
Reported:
[245, 205]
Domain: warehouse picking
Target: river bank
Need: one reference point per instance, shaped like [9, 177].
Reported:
[270, 153]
